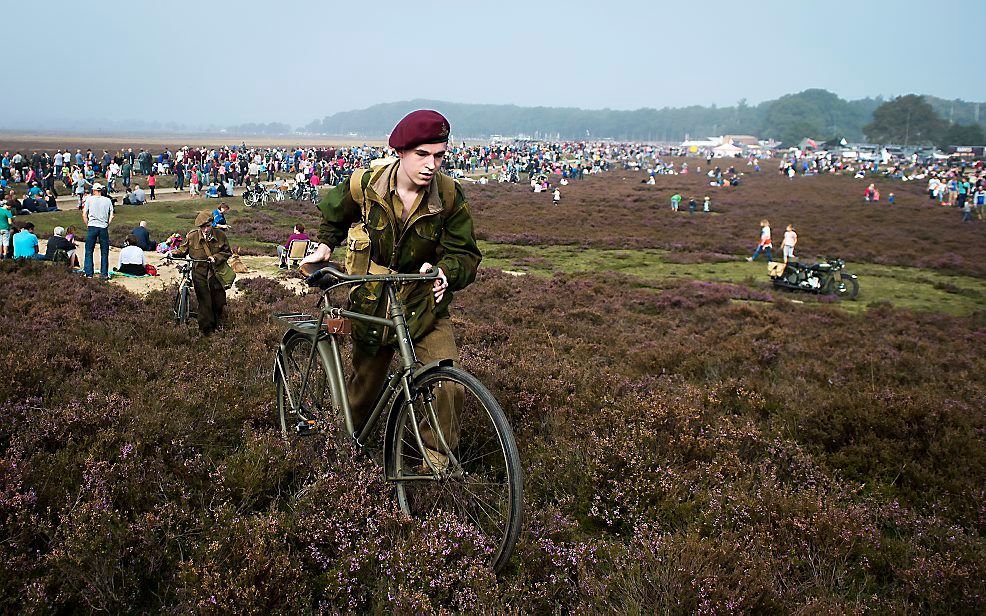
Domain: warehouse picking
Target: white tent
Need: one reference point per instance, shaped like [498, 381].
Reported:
[700, 143]
[726, 150]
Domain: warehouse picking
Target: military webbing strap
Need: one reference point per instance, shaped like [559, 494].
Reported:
[357, 189]
[358, 192]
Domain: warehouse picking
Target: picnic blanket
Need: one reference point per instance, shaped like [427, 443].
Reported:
[115, 274]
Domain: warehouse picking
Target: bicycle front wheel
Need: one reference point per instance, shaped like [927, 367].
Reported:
[181, 305]
[481, 482]
[311, 407]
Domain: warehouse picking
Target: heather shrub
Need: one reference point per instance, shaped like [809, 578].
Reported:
[687, 446]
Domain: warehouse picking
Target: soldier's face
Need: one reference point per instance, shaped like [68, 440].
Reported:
[421, 163]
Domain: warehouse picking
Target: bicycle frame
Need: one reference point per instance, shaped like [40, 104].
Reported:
[399, 382]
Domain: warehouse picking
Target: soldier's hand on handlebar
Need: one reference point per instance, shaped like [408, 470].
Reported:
[441, 283]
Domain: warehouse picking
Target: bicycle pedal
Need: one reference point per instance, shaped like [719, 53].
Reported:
[306, 426]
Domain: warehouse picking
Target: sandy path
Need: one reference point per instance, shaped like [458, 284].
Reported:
[164, 194]
[263, 267]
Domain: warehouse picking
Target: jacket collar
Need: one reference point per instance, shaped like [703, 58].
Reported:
[384, 182]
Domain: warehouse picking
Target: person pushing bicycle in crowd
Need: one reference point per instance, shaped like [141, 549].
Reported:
[405, 217]
[211, 246]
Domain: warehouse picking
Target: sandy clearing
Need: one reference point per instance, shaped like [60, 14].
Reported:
[167, 278]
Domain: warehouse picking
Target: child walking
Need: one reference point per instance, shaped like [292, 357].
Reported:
[790, 240]
[764, 246]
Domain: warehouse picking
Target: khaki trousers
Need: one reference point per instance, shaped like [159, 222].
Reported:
[370, 371]
[211, 298]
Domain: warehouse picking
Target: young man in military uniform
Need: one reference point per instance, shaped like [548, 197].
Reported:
[210, 245]
[417, 219]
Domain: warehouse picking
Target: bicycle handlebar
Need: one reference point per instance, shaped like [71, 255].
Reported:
[333, 271]
[169, 258]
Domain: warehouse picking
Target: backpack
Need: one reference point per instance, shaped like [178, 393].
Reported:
[60, 255]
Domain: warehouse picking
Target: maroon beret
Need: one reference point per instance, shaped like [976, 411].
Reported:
[417, 127]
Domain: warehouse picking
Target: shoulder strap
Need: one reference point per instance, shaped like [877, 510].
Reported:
[446, 191]
[357, 190]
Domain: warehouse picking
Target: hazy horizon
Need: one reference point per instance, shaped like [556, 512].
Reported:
[195, 65]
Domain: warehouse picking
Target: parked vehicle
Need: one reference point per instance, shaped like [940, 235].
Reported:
[827, 276]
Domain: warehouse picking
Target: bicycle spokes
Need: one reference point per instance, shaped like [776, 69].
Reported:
[303, 399]
[480, 484]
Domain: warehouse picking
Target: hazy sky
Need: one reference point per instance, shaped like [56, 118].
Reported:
[222, 63]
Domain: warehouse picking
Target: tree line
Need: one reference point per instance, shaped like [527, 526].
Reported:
[815, 113]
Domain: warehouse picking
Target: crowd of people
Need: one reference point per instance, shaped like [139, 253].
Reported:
[950, 182]
[40, 176]
[30, 182]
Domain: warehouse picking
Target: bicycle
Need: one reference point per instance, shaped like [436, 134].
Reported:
[183, 296]
[305, 192]
[254, 197]
[471, 472]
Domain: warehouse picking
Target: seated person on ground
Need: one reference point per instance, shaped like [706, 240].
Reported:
[30, 205]
[41, 206]
[212, 192]
[135, 197]
[26, 243]
[282, 251]
[219, 217]
[51, 200]
[131, 258]
[143, 237]
[59, 248]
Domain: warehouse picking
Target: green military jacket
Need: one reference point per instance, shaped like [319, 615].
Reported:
[194, 247]
[435, 232]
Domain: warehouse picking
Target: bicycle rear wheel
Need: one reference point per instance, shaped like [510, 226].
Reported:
[484, 486]
[313, 406]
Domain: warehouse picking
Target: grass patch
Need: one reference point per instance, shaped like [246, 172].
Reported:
[919, 289]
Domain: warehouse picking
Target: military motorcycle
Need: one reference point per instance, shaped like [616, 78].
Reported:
[827, 276]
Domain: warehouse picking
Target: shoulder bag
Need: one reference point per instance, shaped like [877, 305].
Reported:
[224, 272]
